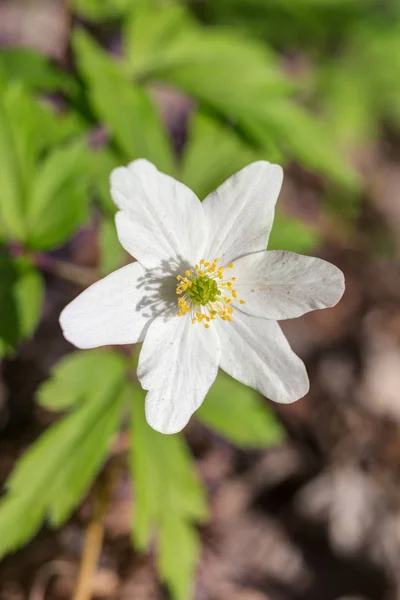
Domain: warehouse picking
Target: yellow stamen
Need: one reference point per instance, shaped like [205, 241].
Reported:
[199, 293]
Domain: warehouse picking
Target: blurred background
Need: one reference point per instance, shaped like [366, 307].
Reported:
[254, 501]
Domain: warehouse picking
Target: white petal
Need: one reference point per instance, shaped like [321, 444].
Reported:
[241, 211]
[178, 364]
[115, 310]
[255, 352]
[283, 285]
[161, 219]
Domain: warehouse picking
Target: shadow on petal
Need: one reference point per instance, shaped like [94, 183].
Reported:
[159, 289]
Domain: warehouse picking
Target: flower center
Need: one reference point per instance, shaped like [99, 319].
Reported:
[206, 293]
[203, 290]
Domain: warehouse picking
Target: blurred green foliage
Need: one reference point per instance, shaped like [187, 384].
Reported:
[168, 498]
[52, 475]
[95, 390]
[101, 10]
[21, 297]
[305, 81]
[350, 50]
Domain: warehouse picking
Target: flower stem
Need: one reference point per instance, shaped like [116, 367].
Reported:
[82, 276]
[90, 557]
[95, 532]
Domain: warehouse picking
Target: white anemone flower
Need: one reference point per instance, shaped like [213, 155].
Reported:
[204, 292]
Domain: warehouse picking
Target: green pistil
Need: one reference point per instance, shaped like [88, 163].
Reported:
[203, 290]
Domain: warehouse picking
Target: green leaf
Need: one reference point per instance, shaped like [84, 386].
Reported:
[164, 475]
[202, 61]
[150, 28]
[21, 112]
[56, 128]
[236, 412]
[58, 201]
[207, 63]
[166, 490]
[77, 475]
[308, 25]
[10, 326]
[78, 375]
[21, 299]
[37, 126]
[19, 521]
[214, 152]
[178, 555]
[27, 130]
[240, 80]
[125, 108]
[348, 103]
[113, 254]
[11, 178]
[3, 79]
[360, 87]
[101, 10]
[303, 137]
[56, 471]
[103, 161]
[292, 234]
[34, 70]
[29, 296]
